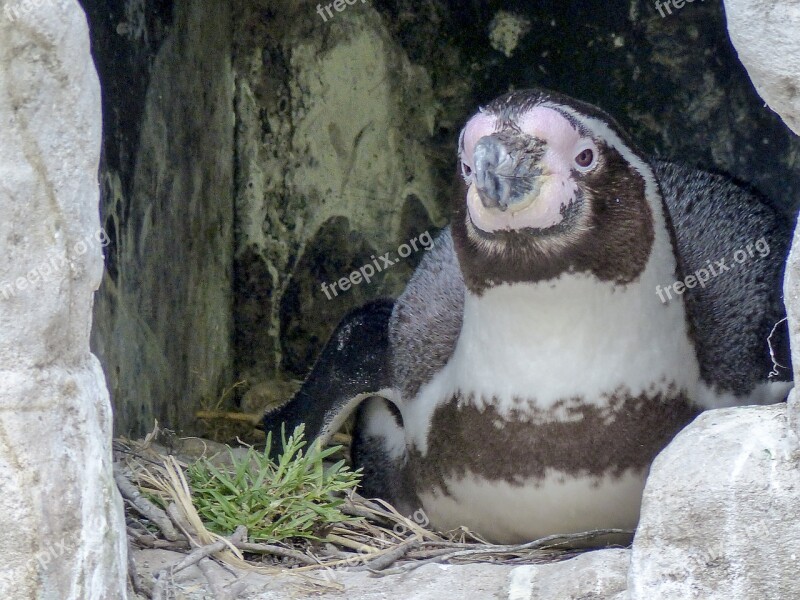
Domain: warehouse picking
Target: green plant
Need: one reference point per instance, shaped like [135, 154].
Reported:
[293, 497]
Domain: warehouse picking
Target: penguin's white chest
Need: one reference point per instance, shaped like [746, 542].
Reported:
[556, 399]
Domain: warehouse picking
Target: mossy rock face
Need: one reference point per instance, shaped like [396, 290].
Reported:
[339, 173]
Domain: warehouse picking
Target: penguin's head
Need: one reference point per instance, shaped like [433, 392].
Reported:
[553, 185]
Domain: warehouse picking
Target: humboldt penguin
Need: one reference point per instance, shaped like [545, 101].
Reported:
[585, 303]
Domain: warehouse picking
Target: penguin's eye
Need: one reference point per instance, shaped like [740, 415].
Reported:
[585, 158]
[466, 171]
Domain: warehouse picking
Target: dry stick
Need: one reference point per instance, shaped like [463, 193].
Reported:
[251, 418]
[192, 558]
[276, 550]
[388, 559]
[150, 541]
[430, 553]
[199, 554]
[160, 585]
[236, 589]
[542, 543]
[179, 520]
[358, 547]
[356, 511]
[145, 507]
[239, 535]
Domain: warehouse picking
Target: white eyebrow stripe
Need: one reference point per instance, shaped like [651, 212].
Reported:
[602, 131]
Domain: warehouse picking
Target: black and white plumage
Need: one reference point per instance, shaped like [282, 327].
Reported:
[530, 372]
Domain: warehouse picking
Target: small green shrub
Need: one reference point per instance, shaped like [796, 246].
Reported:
[293, 497]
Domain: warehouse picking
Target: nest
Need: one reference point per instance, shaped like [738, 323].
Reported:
[161, 513]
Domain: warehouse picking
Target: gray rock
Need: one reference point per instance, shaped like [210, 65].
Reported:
[718, 517]
[791, 296]
[598, 575]
[60, 513]
[766, 35]
[165, 307]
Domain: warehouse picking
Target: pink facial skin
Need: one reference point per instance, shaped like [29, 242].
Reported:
[558, 186]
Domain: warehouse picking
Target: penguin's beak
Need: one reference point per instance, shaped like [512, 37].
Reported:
[507, 176]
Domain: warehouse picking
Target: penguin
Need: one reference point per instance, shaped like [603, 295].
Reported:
[585, 303]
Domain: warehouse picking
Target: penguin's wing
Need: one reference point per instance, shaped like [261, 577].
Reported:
[736, 243]
[427, 318]
[353, 366]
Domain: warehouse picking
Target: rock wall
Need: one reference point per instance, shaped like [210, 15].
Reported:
[766, 38]
[714, 519]
[163, 317]
[60, 512]
[334, 130]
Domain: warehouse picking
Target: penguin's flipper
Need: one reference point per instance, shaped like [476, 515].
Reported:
[734, 242]
[353, 366]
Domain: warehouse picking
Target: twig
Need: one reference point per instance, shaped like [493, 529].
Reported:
[275, 550]
[145, 507]
[179, 520]
[199, 554]
[216, 590]
[160, 585]
[337, 539]
[251, 418]
[239, 535]
[192, 558]
[350, 509]
[150, 541]
[388, 559]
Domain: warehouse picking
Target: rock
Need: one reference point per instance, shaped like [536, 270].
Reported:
[767, 38]
[592, 576]
[60, 512]
[718, 514]
[791, 296]
[506, 30]
[766, 34]
[337, 127]
[598, 575]
[163, 317]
